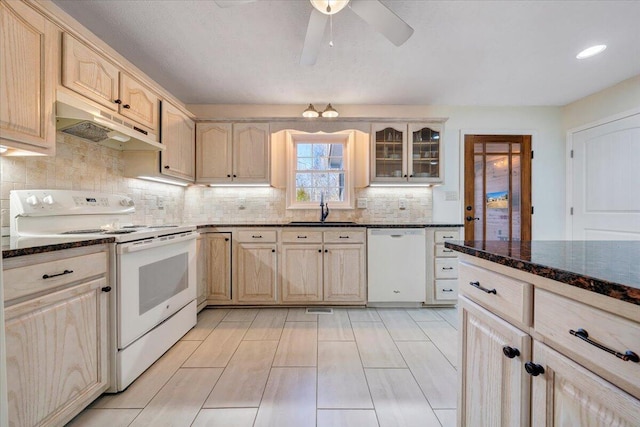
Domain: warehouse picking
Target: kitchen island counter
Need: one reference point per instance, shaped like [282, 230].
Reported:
[610, 268]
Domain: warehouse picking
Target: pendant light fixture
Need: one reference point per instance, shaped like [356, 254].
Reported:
[329, 112]
[310, 112]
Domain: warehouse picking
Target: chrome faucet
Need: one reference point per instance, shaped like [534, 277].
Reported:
[323, 213]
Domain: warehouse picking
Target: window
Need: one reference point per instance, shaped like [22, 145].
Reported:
[319, 171]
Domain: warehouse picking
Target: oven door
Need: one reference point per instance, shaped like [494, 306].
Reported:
[156, 278]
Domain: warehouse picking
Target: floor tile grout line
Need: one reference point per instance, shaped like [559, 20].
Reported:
[442, 352]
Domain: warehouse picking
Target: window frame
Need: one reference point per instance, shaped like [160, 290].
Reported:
[345, 138]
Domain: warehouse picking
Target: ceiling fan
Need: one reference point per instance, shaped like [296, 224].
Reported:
[374, 12]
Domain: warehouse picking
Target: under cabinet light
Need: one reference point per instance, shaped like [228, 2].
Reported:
[164, 181]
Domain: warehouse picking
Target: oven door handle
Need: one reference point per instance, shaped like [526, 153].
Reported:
[155, 242]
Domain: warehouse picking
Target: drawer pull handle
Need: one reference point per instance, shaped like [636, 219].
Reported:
[447, 268]
[510, 352]
[533, 369]
[477, 285]
[50, 276]
[343, 237]
[627, 356]
[396, 292]
[447, 250]
[447, 237]
[447, 290]
[256, 237]
[302, 237]
[106, 289]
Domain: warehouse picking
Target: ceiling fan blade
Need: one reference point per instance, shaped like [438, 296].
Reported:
[231, 3]
[383, 20]
[313, 39]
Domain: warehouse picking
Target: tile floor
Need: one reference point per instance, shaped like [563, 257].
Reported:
[282, 367]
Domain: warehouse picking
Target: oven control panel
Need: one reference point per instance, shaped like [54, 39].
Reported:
[67, 202]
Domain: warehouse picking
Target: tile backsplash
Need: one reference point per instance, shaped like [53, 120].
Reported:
[79, 165]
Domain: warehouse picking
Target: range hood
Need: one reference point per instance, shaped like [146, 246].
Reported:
[79, 118]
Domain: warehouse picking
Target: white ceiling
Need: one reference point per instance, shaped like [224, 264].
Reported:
[499, 53]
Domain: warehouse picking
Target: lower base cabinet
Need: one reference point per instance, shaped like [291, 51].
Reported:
[256, 269]
[344, 273]
[218, 266]
[57, 360]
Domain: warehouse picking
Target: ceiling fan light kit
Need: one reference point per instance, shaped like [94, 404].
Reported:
[329, 7]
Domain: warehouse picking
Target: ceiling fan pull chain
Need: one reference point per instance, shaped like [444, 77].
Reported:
[330, 30]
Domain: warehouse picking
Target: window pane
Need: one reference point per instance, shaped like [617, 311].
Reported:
[320, 171]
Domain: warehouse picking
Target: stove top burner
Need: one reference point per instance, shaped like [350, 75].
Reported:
[89, 231]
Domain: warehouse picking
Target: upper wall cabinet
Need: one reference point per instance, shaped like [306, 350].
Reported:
[406, 153]
[93, 76]
[237, 153]
[28, 72]
[178, 135]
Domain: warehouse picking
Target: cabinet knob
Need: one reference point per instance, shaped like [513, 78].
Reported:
[405, 175]
[226, 239]
[117, 101]
[106, 289]
[167, 167]
[326, 250]
[533, 369]
[235, 176]
[411, 176]
[127, 106]
[319, 250]
[228, 176]
[510, 352]
[273, 250]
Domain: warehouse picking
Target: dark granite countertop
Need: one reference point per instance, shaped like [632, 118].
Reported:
[609, 268]
[330, 224]
[18, 246]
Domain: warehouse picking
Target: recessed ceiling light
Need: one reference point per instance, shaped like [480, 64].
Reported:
[590, 51]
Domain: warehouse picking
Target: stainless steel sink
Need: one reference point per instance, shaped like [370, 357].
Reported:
[321, 224]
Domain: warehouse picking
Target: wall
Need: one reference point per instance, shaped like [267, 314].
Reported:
[79, 165]
[544, 123]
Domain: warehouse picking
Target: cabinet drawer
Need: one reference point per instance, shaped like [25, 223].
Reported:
[344, 236]
[555, 316]
[503, 295]
[302, 236]
[442, 252]
[446, 268]
[446, 289]
[257, 236]
[443, 236]
[22, 281]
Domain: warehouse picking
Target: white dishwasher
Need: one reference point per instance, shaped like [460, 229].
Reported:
[396, 264]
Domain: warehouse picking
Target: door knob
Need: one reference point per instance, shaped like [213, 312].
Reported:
[470, 218]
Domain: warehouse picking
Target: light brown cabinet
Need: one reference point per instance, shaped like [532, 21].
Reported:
[201, 272]
[56, 336]
[344, 273]
[178, 137]
[442, 274]
[232, 153]
[218, 247]
[301, 272]
[28, 72]
[256, 269]
[90, 74]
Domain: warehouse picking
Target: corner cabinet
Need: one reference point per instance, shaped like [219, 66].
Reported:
[404, 153]
[28, 72]
[178, 136]
[235, 153]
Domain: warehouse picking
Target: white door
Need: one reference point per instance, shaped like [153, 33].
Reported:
[606, 181]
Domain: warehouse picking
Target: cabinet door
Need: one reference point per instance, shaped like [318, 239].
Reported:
[28, 75]
[344, 273]
[219, 266]
[251, 153]
[178, 137]
[256, 272]
[138, 102]
[86, 72]
[495, 388]
[567, 394]
[388, 152]
[424, 156]
[57, 358]
[301, 273]
[213, 152]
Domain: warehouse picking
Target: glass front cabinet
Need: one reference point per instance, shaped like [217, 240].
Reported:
[406, 153]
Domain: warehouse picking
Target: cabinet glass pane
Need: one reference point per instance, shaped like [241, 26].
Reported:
[425, 155]
[389, 153]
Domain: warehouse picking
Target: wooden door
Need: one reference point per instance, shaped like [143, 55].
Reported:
[567, 394]
[256, 270]
[605, 181]
[344, 273]
[389, 152]
[178, 137]
[251, 153]
[86, 72]
[301, 273]
[495, 388]
[57, 356]
[219, 266]
[28, 73]
[497, 187]
[213, 153]
[138, 102]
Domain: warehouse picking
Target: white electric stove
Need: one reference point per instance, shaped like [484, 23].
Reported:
[152, 269]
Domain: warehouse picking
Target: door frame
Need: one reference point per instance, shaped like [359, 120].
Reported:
[464, 133]
[568, 225]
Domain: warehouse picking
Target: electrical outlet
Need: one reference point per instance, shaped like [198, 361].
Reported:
[361, 203]
[402, 204]
[159, 203]
[242, 203]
